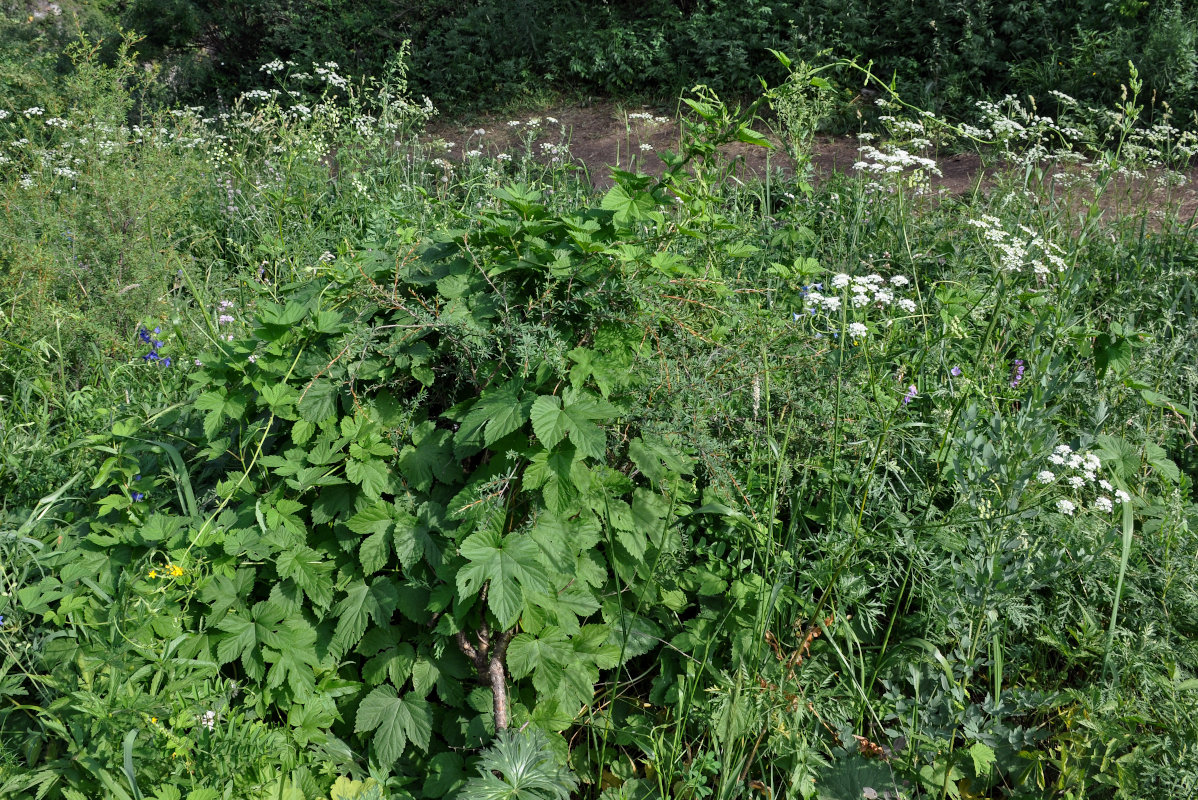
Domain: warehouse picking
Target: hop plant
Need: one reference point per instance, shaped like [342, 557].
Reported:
[519, 765]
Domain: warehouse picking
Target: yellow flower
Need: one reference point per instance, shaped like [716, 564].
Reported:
[153, 573]
[154, 720]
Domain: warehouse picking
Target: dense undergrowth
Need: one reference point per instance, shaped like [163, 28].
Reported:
[477, 54]
[336, 468]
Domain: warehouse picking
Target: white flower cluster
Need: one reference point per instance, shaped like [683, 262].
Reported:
[861, 293]
[641, 115]
[1079, 472]
[1015, 252]
[893, 161]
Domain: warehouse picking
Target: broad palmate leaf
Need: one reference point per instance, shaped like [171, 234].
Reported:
[395, 721]
[510, 563]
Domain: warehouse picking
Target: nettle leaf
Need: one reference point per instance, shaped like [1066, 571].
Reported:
[246, 636]
[319, 401]
[549, 650]
[629, 634]
[373, 475]
[374, 552]
[378, 517]
[430, 456]
[310, 572]
[395, 722]
[510, 563]
[561, 476]
[657, 460]
[496, 414]
[362, 603]
[572, 415]
[292, 653]
[394, 663]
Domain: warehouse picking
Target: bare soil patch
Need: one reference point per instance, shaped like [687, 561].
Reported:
[605, 134]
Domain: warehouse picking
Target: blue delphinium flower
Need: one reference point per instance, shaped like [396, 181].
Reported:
[155, 344]
[137, 496]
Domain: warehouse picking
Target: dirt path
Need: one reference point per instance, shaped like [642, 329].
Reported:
[607, 134]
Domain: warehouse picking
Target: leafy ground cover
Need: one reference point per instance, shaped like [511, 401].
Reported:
[341, 463]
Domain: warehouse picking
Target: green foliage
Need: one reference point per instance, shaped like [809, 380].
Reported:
[477, 483]
[520, 766]
[945, 56]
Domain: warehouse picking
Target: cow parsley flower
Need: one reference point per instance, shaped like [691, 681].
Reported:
[1066, 507]
[857, 330]
[1103, 504]
[1046, 476]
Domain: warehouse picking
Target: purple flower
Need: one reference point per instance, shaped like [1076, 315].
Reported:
[911, 394]
[137, 497]
[955, 372]
[1017, 372]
